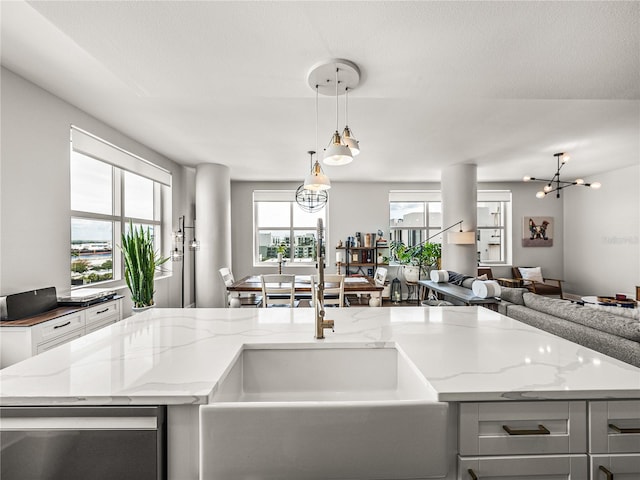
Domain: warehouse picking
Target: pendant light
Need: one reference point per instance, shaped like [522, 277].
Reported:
[337, 153]
[347, 137]
[312, 195]
[316, 180]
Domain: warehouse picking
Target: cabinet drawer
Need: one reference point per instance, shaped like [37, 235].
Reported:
[556, 467]
[43, 347]
[98, 313]
[522, 428]
[614, 426]
[101, 323]
[622, 467]
[59, 327]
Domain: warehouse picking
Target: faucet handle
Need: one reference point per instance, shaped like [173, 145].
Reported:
[328, 324]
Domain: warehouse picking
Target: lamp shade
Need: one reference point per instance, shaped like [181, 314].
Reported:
[317, 180]
[350, 141]
[337, 153]
[462, 238]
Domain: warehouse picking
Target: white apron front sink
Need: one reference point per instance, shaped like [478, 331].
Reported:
[323, 412]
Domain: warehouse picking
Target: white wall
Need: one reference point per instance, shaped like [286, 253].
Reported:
[602, 254]
[34, 188]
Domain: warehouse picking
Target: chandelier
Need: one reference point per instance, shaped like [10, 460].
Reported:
[555, 184]
[337, 77]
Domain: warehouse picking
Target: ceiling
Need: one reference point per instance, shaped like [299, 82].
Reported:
[504, 85]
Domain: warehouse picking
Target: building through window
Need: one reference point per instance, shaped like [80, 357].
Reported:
[416, 215]
[281, 226]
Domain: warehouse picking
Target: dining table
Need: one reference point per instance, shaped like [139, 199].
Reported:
[356, 285]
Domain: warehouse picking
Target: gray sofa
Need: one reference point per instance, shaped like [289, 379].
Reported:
[613, 331]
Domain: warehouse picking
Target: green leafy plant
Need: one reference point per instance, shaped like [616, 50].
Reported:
[140, 264]
[424, 255]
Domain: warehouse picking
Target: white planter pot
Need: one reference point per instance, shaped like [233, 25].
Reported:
[411, 273]
[135, 310]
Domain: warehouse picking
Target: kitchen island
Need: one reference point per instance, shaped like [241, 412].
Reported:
[473, 357]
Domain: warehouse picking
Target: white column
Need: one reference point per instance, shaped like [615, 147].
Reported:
[459, 202]
[213, 229]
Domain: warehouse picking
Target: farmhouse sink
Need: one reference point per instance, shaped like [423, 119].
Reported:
[323, 412]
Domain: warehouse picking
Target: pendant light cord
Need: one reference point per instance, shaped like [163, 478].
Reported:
[317, 151]
[337, 99]
[346, 106]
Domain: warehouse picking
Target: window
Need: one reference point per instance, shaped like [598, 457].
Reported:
[493, 218]
[414, 216]
[109, 189]
[280, 226]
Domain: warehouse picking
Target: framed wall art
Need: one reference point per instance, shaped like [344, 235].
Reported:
[537, 231]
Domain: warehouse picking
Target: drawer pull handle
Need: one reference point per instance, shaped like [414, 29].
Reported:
[63, 325]
[472, 474]
[624, 430]
[542, 430]
[102, 311]
[606, 472]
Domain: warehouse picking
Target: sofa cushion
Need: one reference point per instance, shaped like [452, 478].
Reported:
[612, 345]
[600, 320]
[533, 274]
[513, 295]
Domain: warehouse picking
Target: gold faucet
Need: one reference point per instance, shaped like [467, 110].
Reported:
[321, 323]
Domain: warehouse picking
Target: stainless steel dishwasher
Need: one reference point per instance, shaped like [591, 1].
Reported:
[50, 443]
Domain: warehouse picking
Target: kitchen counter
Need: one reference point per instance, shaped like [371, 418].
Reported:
[176, 356]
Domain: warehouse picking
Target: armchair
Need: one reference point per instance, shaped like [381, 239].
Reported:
[533, 280]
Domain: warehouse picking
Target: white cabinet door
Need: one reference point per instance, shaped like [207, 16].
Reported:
[614, 426]
[539, 467]
[523, 428]
[43, 347]
[101, 315]
[615, 467]
[58, 327]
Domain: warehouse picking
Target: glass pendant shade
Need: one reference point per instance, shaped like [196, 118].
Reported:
[350, 141]
[317, 180]
[337, 153]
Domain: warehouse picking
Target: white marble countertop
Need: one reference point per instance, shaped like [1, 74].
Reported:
[176, 356]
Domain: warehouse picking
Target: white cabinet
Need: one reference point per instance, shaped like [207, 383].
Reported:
[556, 467]
[522, 428]
[21, 342]
[614, 439]
[102, 315]
[598, 440]
[614, 426]
[619, 467]
[527, 440]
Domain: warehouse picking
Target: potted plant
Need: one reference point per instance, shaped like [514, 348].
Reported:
[140, 264]
[416, 258]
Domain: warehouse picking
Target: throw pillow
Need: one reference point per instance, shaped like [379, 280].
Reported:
[533, 274]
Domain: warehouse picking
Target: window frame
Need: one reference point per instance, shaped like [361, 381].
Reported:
[427, 197]
[117, 217]
[282, 196]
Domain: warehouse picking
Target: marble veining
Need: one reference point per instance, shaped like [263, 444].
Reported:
[176, 356]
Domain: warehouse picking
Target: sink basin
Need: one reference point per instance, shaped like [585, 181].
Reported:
[323, 412]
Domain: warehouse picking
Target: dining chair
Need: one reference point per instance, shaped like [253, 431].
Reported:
[333, 295]
[278, 290]
[236, 297]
